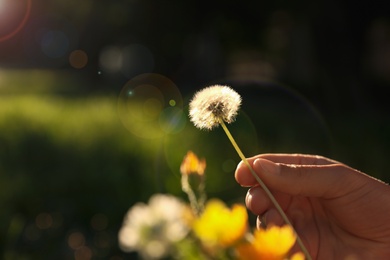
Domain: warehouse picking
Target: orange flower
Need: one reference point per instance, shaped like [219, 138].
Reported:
[298, 256]
[219, 225]
[192, 164]
[273, 243]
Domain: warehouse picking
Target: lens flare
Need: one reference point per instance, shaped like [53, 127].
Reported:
[13, 17]
[150, 106]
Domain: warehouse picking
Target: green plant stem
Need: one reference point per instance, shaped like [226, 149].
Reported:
[265, 188]
[186, 187]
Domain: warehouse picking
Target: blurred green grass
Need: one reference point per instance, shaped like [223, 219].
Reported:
[70, 158]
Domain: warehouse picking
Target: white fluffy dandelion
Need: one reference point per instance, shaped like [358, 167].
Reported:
[213, 104]
[152, 229]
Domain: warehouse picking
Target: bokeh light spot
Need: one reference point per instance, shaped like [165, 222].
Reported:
[130, 60]
[229, 165]
[78, 59]
[76, 240]
[172, 103]
[44, 220]
[83, 253]
[145, 106]
[54, 43]
[111, 59]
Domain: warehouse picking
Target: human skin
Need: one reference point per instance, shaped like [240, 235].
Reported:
[338, 212]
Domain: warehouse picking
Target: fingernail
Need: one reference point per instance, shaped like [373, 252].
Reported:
[266, 166]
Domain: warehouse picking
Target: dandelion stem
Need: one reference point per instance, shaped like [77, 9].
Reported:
[264, 187]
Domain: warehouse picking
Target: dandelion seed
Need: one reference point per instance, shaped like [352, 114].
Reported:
[213, 104]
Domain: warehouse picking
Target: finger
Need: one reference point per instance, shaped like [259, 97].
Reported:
[327, 181]
[269, 218]
[272, 217]
[258, 201]
[307, 180]
[245, 178]
[300, 159]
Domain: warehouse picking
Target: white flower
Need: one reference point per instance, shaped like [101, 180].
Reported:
[212, 104]
[151, 229]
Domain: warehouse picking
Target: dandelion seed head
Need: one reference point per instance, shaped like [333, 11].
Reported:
[152, 229]
[212, 104]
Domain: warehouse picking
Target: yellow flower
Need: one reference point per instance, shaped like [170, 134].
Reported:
[298, 256]
[212, 104]
[192, 164]
[219, 225]
[273, 243]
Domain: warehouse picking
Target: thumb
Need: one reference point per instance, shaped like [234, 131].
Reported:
[326, 181]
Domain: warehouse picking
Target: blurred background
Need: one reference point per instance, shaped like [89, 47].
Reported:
[94, 98]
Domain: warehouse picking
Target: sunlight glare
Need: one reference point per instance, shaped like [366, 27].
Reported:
[10, 25]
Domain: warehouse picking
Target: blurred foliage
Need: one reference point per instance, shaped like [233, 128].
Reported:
[70, 159]
[39, 82]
